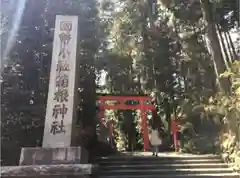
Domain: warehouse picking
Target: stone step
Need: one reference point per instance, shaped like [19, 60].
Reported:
[160, 155]
[156, 161]
[163, 166]
[199, 175]
[167, 165]
[166, 171]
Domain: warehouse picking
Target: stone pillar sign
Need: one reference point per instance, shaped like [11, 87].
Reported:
[60, 104]
[57, 146]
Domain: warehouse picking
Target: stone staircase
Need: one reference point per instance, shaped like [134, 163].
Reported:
[167, 165]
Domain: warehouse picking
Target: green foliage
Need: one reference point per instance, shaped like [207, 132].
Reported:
[227, 107]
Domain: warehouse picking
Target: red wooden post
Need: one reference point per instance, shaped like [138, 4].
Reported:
[174, 130]
[110, 125]
[175, 141]
[145, 130]
[144, 126]
[101, 110]
[101, 115]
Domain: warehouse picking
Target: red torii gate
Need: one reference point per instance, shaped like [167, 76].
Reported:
[120, 104]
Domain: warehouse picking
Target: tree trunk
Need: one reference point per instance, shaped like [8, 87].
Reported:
[226, 57]
[213, 41]
[228, 46]
[232, 46]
